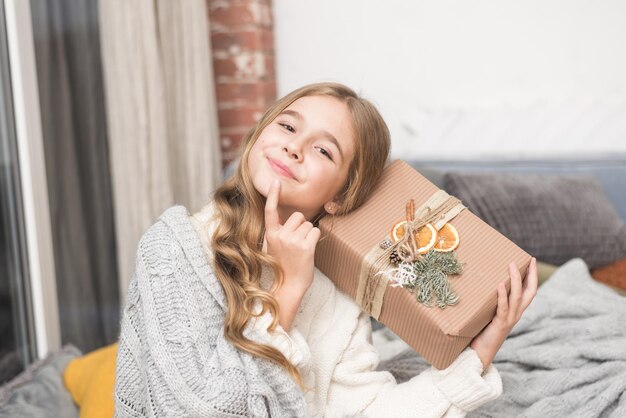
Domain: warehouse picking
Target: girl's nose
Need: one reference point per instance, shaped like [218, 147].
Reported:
[293, 149]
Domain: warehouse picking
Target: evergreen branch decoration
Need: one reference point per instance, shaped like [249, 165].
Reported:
[428, 277]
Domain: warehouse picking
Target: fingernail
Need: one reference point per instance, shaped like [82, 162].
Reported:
[276, 183]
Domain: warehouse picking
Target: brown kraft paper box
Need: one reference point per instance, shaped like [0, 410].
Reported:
[439, 335]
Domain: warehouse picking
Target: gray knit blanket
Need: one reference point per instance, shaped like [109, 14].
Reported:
[566, 357]
[173, 358]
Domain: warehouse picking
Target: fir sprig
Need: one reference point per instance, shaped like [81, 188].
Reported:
[427, 278]
[432, 273]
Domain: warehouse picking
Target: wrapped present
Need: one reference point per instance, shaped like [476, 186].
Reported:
[416, 259]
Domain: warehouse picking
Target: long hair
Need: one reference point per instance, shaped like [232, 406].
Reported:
[238, 238]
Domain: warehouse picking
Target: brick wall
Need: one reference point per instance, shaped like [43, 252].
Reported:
[242, 38]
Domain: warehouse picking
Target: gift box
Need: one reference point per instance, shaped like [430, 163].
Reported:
[365, 252]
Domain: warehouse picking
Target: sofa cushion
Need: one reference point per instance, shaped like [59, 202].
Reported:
[90, 379]
[613, 275]
[552, 217]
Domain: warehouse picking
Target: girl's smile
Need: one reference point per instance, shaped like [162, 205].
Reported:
[281, 168]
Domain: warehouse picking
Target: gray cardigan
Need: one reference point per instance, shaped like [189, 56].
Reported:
[173, 359]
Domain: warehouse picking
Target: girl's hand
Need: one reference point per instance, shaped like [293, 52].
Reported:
[292, 244]
[509, 311]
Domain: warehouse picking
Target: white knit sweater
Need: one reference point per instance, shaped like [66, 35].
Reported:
[330, 343]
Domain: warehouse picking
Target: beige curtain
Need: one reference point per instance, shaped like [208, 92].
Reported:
[161, 111]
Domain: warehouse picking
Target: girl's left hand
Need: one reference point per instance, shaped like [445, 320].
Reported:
[509, 311]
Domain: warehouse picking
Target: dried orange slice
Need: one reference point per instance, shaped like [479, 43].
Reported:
[447, 238]
[425, 237]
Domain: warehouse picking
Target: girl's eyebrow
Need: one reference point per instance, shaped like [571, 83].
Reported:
[327, 134]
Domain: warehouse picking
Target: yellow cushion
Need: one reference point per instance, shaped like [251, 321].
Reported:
[90, 380]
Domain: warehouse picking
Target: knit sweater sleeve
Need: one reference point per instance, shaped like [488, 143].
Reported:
[451, 392]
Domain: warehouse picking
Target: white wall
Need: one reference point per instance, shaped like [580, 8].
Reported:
[517, 78]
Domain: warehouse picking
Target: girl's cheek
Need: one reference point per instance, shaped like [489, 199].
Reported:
[323, 178]
[264, 141]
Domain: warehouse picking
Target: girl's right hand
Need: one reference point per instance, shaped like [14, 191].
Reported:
[292, 244]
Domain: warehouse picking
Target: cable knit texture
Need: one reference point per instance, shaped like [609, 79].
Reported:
[173, 358]
[330, 342]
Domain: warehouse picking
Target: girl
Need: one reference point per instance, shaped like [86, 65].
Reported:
[227, 315]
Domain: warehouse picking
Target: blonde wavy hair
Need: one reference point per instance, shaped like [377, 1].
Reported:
[238, 238]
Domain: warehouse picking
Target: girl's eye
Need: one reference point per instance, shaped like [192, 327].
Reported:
[288, 127]
[324, 152]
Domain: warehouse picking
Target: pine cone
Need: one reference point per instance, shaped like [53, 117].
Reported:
[394, 257]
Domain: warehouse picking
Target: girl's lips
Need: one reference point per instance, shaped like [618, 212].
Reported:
[281, 168]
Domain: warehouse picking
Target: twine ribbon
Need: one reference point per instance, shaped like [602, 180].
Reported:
[437, 210]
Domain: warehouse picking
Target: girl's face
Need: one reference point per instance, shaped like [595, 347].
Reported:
[309, 147]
